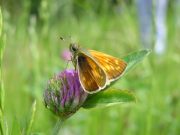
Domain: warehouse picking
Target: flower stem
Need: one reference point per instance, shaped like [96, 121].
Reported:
[58, 126]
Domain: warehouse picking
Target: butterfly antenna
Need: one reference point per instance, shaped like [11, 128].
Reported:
[66, 40]
[62, 38]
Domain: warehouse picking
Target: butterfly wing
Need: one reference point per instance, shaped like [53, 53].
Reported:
[92, 77]
[112, 66]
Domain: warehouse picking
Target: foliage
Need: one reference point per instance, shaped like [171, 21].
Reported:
[109, 97]
[134, 58]
[32, 55]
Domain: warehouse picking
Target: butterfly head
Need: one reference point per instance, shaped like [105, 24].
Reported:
[73, 48]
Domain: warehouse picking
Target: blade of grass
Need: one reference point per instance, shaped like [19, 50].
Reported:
[1, 80]
[0, 22]
[33, 111]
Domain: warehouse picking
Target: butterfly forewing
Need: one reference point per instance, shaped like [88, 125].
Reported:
[113, 67]
[91, 75]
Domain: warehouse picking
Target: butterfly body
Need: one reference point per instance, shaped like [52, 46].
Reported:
[95, 69]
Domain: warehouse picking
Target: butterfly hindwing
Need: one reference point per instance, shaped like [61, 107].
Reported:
[91, 75]
[113, 67]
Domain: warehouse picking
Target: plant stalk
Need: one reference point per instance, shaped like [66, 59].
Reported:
[58, 126]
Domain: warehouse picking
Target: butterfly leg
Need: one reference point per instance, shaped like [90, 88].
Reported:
[67, 64]
[74, 62]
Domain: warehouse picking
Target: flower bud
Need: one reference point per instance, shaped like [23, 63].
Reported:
[64, 94]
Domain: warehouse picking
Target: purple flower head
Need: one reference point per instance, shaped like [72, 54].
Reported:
[64, 94]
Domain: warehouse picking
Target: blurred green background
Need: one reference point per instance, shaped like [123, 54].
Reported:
[33, 52]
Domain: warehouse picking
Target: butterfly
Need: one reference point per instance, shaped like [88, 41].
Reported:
[95, 69]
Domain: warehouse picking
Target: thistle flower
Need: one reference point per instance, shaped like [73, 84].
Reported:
[64, 94]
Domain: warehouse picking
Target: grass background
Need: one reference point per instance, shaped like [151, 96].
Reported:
[33, 54]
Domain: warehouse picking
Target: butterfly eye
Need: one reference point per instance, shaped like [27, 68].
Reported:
[73, 47]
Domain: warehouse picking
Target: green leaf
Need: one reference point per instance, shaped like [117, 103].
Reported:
[134, 58]
[109, 97]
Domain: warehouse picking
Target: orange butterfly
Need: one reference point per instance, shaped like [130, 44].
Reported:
[95, 69]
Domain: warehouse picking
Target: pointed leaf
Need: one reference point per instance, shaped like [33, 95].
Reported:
[109, 97]
[134, 58]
